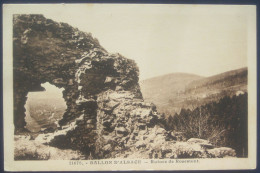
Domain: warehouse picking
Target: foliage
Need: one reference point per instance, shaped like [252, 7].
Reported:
[223, 123]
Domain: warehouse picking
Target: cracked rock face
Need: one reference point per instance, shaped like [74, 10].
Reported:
[106, 116]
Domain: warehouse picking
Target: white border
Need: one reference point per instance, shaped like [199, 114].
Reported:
[60, 165]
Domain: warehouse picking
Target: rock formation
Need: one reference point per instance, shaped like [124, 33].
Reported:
[106, 116]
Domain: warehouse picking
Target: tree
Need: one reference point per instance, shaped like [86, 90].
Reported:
[223, 123]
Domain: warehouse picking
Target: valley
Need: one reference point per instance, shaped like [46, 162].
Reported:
[172, 92]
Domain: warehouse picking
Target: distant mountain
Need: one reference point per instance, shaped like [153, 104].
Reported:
[172, 92]
[159, 90]
[227, 79]
[43, 113]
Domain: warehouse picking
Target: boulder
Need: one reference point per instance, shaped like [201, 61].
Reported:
[222, 152]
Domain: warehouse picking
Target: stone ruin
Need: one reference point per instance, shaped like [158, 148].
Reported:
[106, 115]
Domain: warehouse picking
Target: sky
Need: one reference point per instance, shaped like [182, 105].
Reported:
[199, 39]
[51, 92]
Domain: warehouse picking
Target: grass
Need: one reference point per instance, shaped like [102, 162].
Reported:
[26, 149]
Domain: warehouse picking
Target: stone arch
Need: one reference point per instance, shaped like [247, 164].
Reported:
[22, 88]
[47, 51]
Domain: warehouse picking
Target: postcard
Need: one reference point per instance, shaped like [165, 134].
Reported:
[129, 87]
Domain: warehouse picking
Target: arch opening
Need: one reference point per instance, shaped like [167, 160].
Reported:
[44, 109]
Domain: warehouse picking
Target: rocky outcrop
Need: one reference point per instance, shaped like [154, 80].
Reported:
[106, 116]
[45, 51]
[27, 149]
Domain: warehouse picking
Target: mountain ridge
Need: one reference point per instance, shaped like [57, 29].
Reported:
[169, 74]
[192, 92]
[222, 75]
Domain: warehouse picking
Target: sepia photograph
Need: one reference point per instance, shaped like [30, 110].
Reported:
[129, 87]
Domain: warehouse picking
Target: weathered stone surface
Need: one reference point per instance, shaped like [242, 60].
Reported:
[222, 152]
[25, 148]
[106, 116]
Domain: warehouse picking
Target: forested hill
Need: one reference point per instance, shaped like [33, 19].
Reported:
[227, 79]
[161, 89]
[172, 92]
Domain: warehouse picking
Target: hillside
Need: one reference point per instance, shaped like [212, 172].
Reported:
[226, 79]
[172, 92]
[161, 89]
[44, 113]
